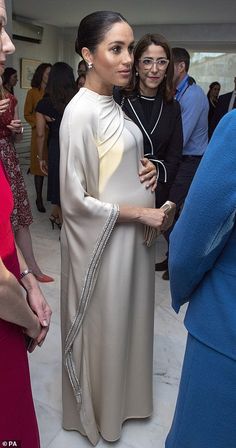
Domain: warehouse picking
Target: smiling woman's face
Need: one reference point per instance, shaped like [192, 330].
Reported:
[6, 45]
[151, 78]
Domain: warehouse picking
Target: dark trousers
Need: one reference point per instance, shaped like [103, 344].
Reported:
[179, 189]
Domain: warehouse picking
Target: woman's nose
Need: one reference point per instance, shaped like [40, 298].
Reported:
[7, 45]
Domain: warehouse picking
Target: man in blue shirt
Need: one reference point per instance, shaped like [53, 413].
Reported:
[194, 111]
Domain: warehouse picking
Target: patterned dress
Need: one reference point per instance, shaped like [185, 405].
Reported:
[21, 215]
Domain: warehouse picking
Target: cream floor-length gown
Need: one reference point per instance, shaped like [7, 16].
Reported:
[107, 294]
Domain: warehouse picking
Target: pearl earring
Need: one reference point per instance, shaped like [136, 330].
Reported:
[90, 65]
[136, 74]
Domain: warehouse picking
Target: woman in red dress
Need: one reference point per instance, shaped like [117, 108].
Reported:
[18, 317]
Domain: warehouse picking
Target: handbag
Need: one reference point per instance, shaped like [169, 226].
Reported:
[151, 234]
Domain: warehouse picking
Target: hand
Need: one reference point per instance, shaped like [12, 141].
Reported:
[148, 174]
[153, 217]
[43, 166]
[34, 330]
[15, 127]
[49, 119]
[40, 307]
[4, 104]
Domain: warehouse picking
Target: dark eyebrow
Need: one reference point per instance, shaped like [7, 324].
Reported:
[120, 42]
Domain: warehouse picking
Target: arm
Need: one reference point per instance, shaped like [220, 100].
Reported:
[40, 138]
[29, 107]
[36, 301]
[4, 104]
[208, 215]
[192, 107]
[16, 127]
[13, 306]
[153, 217]
[175, 146]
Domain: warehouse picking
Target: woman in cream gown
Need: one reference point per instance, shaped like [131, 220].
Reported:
[107, 298]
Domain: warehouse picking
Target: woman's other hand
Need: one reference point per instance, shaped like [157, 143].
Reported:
[15, 127]
[43, 166]
[148, 174]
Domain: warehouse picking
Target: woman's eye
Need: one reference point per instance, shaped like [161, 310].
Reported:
[116, 49]
[147, 61]
[131, 49]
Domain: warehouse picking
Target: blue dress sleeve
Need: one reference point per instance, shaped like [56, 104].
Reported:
[208, 216]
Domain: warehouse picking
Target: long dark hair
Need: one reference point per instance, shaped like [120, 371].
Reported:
[61, 86]
[93, 28]
[213, 84]
[8, 72]
[38, 74]
[166, 86]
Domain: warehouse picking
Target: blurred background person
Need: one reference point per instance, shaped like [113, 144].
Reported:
[225, 104]
[81, 71]
[9, 79]
[61, 87]
[19, 318]
[81, 80]
[149, 102]
[194, 112]
[38, 84]
[213, 95]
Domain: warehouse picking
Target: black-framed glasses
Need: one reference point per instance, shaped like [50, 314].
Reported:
[161, 63]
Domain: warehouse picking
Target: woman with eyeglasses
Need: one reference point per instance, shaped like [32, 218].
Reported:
[149, 102]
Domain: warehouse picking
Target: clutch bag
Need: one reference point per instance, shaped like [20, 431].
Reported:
[151, 233]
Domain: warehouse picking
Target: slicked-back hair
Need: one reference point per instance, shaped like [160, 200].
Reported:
[61, 86]
[38, 74]
[166, 86]
[181, 55]
[93, 28]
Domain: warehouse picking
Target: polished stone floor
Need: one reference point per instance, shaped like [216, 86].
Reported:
[45, 363]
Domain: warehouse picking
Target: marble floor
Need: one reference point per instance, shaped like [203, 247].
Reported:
[45, 363]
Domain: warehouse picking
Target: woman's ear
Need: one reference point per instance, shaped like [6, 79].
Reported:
[87, 56]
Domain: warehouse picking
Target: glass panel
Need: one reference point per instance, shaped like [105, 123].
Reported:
[208, 67]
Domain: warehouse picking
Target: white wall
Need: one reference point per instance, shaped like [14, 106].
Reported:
[47, 51]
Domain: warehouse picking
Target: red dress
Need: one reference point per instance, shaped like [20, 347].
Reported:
[17, 415]
[21, 215]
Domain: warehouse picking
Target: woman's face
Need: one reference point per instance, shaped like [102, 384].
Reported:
[6, 45]
[151, 68]
[13, 79]
[112, 60]
[45, 75]
[215, 91]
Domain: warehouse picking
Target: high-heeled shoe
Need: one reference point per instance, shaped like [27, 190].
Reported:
[55, 221]
[44, 278]
[40, 206]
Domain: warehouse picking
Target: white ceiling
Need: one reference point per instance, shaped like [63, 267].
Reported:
[66, 13]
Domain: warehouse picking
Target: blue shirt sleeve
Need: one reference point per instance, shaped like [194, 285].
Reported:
[193, 103]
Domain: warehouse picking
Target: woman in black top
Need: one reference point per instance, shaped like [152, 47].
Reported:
[149, 102]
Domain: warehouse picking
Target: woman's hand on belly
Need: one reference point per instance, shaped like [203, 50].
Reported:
[148, 174]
